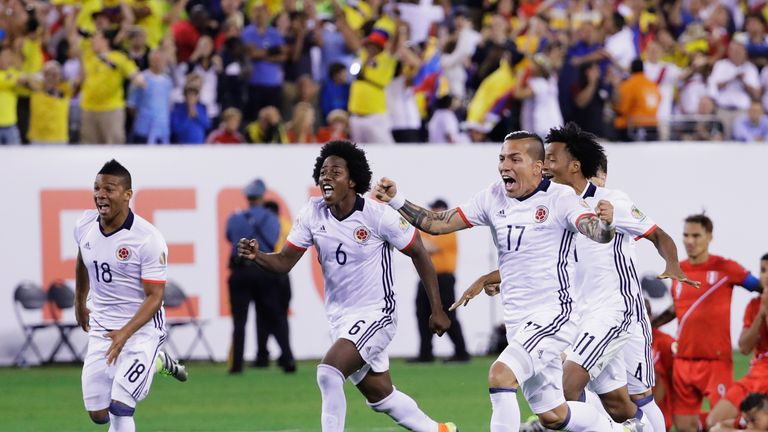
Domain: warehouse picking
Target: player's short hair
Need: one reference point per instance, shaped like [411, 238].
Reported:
[582, 146]
[535, 151]
[357, 163]
[603, 165]
[764, 257]
[754, 400]
[702, 220]
[114, 168]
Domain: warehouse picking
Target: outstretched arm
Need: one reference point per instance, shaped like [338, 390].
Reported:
[668, 250]
[438, 320]
[277, 262]
[488, 282]
[664, 317]
[426, 220]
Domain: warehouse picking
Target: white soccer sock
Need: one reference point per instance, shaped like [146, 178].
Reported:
[506, 413]
[334, 406]
[121, 423]
[583, 417]
[405, 412]
[652, 412]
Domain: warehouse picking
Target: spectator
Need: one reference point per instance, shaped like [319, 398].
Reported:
[103, 97]
[337, 129]
[636, 102]
[752, 126]
[337, 42]
[369, 121]
[151, 17]
[444, 125]
[151, 104]
[9, 80]
[401, 103]
[266, 49]
[267, 128]
[207, 65]
[229, 129]
[335, 91]
[186, 33]
[299, 42]
[734, 82]
[189, 119]
[138, 50]
[301, 128]
[541, 110]
[589, 100]
[667, 77]
[757, 40]
[620, 45]
[489, 53]
[49, 103]
[233, 81]
[453, 63]
[420, 16]
[708, 128]
[693, 84]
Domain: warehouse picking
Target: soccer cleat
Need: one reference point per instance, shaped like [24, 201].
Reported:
[532, 424]
[633, 425]
[169, 366]
[447, 427]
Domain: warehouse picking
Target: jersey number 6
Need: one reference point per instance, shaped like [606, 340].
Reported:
[341, 256]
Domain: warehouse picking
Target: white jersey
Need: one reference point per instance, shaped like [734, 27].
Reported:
[355, 254]
[534, 236]
[118, 264]
[605, 272]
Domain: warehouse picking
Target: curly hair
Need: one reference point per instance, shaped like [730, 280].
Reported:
[357, 163]
[582, 146]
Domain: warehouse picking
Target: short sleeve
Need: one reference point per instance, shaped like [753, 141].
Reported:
[571, 208]
[736, 273]
[87, 217]
[753, 307]
[629, 219]
[300, 236]
[475, 211]
[396, 230]
[154, 259]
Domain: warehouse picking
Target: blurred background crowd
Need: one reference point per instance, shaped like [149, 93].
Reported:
[376, 71]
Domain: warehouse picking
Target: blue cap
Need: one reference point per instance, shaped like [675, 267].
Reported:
[256, 188]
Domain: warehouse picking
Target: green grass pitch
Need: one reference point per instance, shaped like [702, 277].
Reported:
[49, 399]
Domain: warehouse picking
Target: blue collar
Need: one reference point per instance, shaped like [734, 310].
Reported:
[589, 192]
[543, 186]
[126, 225]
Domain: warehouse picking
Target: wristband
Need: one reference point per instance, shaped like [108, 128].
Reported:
[397, 202]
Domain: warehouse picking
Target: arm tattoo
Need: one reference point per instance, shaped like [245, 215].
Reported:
[591, 227]
[427, 220]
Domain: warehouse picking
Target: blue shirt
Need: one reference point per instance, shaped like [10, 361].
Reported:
[153, 108]
[334, 50]
[264, 73]
[188, 130]
[745, 130]
[333, 96]
[255, 223]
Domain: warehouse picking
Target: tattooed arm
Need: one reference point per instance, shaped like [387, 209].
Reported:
[432, 222]
[598, 226]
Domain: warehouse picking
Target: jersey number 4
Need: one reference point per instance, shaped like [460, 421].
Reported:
[106, 272]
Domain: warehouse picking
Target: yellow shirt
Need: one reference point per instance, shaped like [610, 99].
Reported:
[366, 95]
[8, 97]
[49, 115]
[84, 19]
[103, 83]
[32, 53]
[152, 23]
[444, 259]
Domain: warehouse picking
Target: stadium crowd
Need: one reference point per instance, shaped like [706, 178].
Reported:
[306, 71]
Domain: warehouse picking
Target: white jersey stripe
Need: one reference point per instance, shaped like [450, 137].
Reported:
[698, 301]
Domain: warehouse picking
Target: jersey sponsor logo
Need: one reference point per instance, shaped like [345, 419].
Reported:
[541, 214]
[637, 214]
[362, 234]
[163, 259]
[404, 224]
[123, 253]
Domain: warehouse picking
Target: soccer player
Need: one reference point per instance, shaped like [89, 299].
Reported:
[614, 327]
[663, 350]
[533, 223]
[354, 237]
[703, 365]
[119, 283]
[754, 410]
[754, 337]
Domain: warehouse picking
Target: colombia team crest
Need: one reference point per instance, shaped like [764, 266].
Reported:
[123, 253]
[541, 214]
[362, 234]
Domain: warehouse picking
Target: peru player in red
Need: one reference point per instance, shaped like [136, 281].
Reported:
[703, 366]
[663, 349]
[754, 336]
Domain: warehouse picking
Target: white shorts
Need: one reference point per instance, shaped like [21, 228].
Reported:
[638, 358]
[371, 333]
[613, 376]
[533, 355]
[128, 379]
[601, 338]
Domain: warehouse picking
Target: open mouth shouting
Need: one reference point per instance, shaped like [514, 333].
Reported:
[510, 184]
[327, 191]
[103, 208]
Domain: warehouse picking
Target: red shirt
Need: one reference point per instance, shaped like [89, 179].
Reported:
[704, 313]
[663, 356]
[222, 136]
[186, 36]
[761, 349]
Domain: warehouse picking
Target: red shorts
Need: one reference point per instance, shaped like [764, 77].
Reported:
[694, 380]
[755, 381]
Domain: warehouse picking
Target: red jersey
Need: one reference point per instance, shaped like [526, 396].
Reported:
[704, 313]
[760, 358]
[663, 353]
